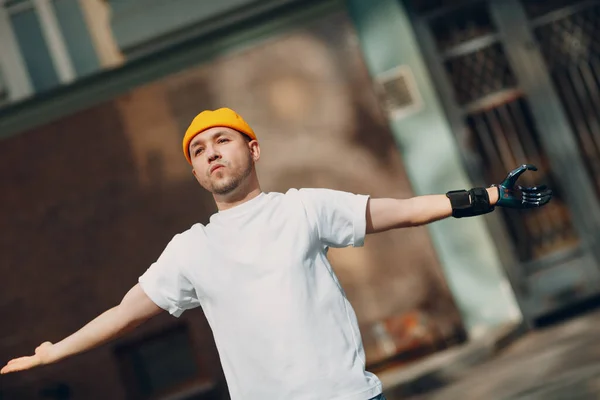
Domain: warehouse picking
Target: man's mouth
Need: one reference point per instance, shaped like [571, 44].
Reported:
[215, 167]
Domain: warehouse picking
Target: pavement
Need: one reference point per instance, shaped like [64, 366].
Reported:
[560, 361]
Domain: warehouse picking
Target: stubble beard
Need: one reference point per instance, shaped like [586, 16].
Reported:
[228, 185]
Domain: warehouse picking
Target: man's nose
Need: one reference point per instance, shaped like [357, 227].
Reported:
[213, 155]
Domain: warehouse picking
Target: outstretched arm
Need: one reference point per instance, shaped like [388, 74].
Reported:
[385, 214]
[135, 308]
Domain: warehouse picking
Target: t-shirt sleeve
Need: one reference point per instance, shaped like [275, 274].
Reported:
[340, 217]
[166, 284]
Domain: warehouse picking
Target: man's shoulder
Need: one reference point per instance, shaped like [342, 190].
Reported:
[316, 192]
[192, 234]
[294, 195]
[309, 195]
[304, 191]
[289, 193]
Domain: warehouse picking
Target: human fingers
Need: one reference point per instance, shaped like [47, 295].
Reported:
[20, 364]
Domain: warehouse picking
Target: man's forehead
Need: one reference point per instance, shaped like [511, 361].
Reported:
[210, 134]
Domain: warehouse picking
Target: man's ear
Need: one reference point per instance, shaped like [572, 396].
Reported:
[254, 150]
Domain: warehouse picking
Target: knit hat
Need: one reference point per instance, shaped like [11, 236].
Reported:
[209, 119]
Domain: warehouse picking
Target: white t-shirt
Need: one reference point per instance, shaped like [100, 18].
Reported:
[281, 321]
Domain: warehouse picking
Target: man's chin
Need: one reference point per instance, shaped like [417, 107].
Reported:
[224, 189]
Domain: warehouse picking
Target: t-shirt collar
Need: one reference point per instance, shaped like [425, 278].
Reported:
[239, 209]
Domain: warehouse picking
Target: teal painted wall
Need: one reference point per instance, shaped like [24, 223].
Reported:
[465, 248]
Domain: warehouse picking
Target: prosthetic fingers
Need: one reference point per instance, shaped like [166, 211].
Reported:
[469, 203]
[521, 197]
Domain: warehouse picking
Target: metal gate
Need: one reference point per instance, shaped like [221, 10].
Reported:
[520, 84]
[568, 36]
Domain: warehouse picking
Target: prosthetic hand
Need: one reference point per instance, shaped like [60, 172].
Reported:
[521, 197]
[476, 201]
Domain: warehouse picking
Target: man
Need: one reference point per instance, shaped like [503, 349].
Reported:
[281, 322]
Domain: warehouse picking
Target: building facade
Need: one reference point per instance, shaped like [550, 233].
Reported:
[383, 97]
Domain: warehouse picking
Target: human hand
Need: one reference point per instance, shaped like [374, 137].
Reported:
[521, 197]
[42, 356]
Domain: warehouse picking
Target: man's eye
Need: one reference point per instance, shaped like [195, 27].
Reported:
[198, 151]
[223, 140]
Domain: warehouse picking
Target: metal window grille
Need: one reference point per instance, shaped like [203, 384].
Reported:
[400, 93]
[501, 130]
[159, 364]
[536, 8]
[505, 136]
[462, 25]
[480, 73]
[571, 48]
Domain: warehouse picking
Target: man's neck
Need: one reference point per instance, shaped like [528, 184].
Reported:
[235, 199]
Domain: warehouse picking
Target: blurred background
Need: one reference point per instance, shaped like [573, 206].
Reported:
[394, 98]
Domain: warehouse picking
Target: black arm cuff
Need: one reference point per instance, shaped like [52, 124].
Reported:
[469, 203]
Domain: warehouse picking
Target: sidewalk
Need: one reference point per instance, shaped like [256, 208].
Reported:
[558, 362]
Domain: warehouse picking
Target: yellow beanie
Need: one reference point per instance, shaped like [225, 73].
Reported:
[209, 119]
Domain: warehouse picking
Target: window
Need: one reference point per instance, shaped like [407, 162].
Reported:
[76, 35]
[46, 43]
[32, 44]
[161, 364]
